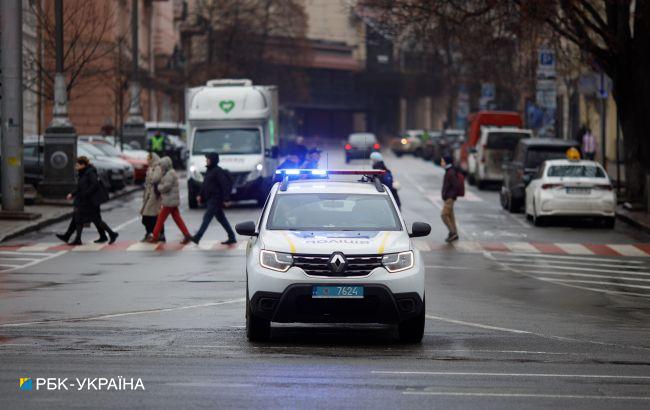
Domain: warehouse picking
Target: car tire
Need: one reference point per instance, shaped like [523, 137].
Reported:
[257, 328]
[480, 184]
[398, 154]
[412, 330]
[537, 220]
[418, 153]
[609, 222]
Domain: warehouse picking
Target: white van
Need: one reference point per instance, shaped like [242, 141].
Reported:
[495, 146]
[239, 121]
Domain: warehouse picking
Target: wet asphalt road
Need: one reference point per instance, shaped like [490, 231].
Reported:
[504, 330]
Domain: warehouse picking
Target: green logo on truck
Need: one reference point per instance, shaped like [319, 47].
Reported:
[227, 105]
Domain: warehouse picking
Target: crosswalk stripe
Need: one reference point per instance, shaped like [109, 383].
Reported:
[548, 248]
[602, 250]
[521, 247]
[422, 246]
[202, 246]
[142, 246]
[468, 246]
[594, 282]
[89, 247]
[574, 249]
[38, 247]
[589, 275]
[628, 250]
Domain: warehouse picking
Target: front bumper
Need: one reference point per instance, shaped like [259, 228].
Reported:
[296, 305]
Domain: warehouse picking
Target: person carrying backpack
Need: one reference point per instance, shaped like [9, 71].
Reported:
[215, 192]
[453, 186]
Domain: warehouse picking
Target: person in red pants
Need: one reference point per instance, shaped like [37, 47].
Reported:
[170, 199]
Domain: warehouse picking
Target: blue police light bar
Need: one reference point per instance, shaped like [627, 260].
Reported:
[294, 171]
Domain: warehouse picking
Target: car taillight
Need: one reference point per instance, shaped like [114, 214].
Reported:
[606, 187]
[551, 186]
[348, 147]
[483, 154]
[376, 146]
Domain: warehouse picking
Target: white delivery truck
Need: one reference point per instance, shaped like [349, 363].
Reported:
[239, 121]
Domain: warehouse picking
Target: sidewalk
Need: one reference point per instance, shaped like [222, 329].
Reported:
[50, 214]
[639, 219]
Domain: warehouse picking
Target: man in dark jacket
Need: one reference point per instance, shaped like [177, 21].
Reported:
[88, 197]
[450, 191]
[215, 192]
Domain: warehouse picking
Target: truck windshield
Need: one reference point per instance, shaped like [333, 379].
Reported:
[333, 212]
[229, 141]
[505, 140]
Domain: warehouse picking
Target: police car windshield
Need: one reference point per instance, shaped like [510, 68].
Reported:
[333, 212]
[229, 141]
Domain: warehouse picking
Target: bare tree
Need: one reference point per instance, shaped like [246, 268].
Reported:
[86, 44]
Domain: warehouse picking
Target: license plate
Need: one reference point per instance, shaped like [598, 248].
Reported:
[578, 191]
[337, 292]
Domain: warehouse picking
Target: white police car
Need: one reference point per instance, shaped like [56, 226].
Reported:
[328, 251]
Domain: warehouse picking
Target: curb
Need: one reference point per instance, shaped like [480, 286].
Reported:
[45, 222]
[632, 222]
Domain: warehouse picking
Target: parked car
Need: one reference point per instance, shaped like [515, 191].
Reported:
[409, 143]
[571, 188]
[494, 148]
[34, 168]
[529, 155]
[360, 145]
[447, 144]
[429, 145]
[120, 173]
[483, 119]
[139, 164]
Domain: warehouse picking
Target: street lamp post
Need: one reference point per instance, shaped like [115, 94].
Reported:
[60, 147]
[133, 131]
[12, 107]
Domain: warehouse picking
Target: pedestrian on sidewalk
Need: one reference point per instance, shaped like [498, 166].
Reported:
[377, 161]
[215, 192]
[151, 198]
[589, 145]
[88, 197]
[170, 201]
[450, 192]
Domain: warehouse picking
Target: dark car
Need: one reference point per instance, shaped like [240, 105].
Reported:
[33, 164]
[529, 154]
[175, 145]
[360, 145]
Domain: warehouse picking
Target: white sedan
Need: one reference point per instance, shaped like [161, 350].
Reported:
[571, 188]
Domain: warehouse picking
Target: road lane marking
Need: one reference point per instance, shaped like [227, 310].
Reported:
[600, 290]
[27, 265]
[595, 282]
[576, 258]
[628, 250]
[589, 275]
[114, 315]
[521, 247]
[481, 326]
[524, 395]
[468, 246]
[38, 247]
[495, 374]
[142, 246]
[532, 264]
[127, 223]
[574, 249]
[89, 247]
[514, 259]
[422, 246]
[446, 267]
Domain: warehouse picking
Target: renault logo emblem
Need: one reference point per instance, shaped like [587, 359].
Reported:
[338, 262]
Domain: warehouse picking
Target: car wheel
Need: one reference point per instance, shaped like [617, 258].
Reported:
[418, 152]
[609, 223]
[398, 154]
[503, 198]
[257, 328]
[412, 330]
[480, 184]
[537, 220]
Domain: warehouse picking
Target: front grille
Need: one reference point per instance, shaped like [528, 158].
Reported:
[319, 265]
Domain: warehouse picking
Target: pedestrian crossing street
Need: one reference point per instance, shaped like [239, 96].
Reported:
[613, 276]
[638, 250]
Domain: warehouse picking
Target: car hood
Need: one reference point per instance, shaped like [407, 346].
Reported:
[327, 242]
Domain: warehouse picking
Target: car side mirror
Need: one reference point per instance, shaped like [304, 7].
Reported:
[420, 229]
[246, 228]
[273, 152]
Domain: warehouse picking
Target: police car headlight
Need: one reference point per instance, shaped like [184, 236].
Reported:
[276, 261]
[396, 262]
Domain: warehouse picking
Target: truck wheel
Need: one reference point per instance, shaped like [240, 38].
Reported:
[412, 330]
[257, 329]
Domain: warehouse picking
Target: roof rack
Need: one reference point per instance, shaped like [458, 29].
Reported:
[367, 175]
